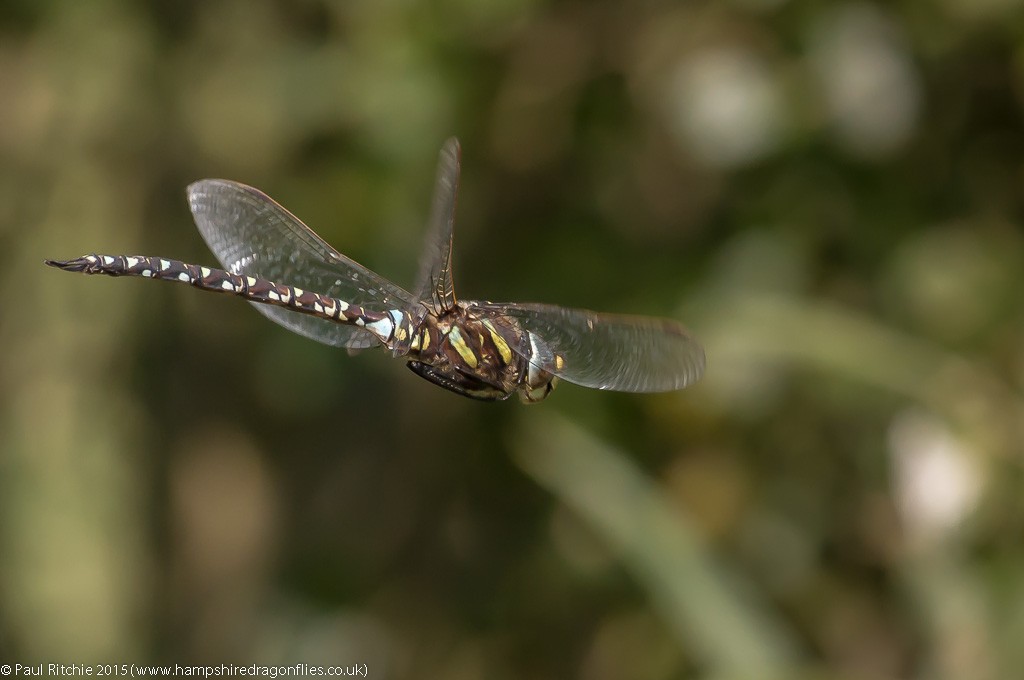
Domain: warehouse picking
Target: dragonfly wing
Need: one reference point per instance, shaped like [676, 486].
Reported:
[434, 284]
[252, 235]
[605, 351]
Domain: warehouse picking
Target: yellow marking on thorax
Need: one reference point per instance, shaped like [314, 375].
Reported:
[456, 341]
[559, 362]
[499, 342]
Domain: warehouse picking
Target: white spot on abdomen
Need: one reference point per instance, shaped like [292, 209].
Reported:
[382, 329]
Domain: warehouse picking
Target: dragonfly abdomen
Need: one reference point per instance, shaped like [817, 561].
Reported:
[385, 325]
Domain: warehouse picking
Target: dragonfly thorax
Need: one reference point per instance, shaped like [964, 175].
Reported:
[482, 358]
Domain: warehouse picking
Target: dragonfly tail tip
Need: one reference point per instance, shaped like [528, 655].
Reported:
[68, 265]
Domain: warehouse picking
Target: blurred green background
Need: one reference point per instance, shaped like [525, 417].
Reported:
[828, 194]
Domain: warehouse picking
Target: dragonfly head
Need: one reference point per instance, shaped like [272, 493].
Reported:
[531, 392]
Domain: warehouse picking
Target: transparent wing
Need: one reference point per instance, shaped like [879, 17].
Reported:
[434, 282]
[605, 351]
[251, 234]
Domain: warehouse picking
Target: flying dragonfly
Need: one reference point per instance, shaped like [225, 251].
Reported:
[483, 350]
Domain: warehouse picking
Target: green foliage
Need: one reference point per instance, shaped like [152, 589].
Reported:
[828, 194]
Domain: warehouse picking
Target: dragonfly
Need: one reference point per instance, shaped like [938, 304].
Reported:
[479, 349]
